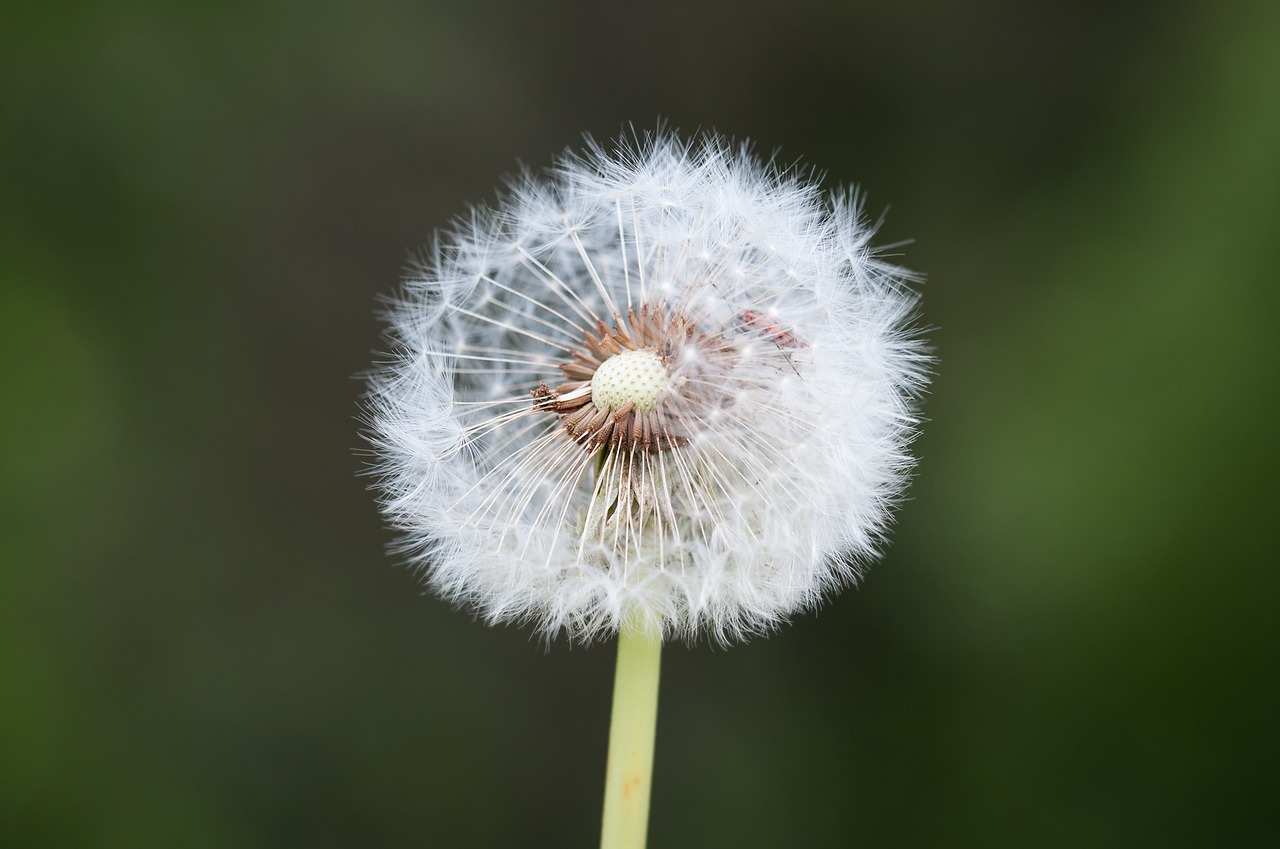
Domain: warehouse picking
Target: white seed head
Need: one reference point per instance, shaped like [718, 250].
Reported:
[632, 377]
[667, 382]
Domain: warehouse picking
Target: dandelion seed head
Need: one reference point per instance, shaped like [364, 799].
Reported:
[665, 381]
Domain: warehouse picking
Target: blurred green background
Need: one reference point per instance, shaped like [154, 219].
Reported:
[1072, 642]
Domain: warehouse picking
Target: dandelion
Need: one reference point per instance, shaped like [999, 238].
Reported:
[662, 391]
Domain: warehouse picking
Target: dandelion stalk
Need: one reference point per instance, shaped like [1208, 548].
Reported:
[629, 771]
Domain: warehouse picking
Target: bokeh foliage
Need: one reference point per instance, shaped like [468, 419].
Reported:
[202, 643]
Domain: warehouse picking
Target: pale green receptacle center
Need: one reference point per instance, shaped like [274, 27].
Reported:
[632, 377]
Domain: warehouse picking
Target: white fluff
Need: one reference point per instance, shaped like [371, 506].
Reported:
[785, 486]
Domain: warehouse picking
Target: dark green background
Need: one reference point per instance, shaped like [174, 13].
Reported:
[1072, 642]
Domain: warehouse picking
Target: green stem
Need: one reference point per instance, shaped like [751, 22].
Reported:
[629, 772]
